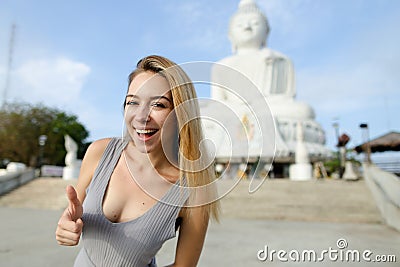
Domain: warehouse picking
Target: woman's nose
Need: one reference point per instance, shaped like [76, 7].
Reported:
[142, 114]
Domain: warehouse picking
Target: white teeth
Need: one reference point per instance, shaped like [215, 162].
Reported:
[144, 131]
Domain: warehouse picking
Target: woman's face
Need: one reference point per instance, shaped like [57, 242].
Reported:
[148, 115]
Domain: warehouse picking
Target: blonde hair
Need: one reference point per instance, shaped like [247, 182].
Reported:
[194, 163]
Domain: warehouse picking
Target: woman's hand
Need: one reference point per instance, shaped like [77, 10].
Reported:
[70, 225]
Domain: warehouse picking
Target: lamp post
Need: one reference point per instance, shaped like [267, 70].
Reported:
[42, 141]
[335, 125]
[367, 148]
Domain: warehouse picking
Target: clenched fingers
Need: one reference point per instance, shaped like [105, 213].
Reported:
[68, 232]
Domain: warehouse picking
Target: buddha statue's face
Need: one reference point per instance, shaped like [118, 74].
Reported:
[248, 30]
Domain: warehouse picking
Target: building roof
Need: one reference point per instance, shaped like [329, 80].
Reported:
[387, 142]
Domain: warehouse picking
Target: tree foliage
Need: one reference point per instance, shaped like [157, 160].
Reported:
[21, 124]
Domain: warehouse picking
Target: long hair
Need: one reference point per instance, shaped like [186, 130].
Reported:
[193, 159]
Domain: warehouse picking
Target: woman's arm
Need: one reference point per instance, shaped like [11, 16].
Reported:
[191, 237]
[69, 227]
[89, 164]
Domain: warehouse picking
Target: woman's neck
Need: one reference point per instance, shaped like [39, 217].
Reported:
[156, 159]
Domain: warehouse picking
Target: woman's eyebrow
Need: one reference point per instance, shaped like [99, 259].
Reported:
[161, 96]
[152, 98]
[135, 96]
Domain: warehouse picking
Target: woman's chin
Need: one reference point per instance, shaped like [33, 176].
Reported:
[142, 148]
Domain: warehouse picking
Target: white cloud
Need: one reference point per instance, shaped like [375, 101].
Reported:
[55, 81]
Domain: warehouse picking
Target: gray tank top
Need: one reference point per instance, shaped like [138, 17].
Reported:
[132, 243]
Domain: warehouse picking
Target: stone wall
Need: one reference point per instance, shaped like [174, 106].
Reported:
[385, 188]
[12, 180]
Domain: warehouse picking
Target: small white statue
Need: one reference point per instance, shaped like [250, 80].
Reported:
[73, 165]
[301, 155]
[72, 149]
[302, 169]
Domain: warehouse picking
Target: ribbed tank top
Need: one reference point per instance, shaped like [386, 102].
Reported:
[132, 243]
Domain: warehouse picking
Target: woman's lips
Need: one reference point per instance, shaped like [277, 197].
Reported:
[145, 134]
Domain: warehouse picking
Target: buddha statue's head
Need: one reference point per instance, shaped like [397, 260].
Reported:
[248, 27]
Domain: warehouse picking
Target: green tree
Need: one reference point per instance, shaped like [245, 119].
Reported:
[21, 124]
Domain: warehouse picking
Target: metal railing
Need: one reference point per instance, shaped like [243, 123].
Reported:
[389, 164]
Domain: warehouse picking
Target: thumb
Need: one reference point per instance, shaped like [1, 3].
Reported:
[79, 224]
[74, 207]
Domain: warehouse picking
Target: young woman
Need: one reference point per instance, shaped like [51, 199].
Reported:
[138, 190]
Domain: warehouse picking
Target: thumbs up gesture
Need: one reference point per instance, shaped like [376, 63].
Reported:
[70, 225]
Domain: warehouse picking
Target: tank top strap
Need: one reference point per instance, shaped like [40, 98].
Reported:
[107, 164]
[178, 194]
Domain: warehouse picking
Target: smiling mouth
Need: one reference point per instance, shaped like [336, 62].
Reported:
[146, 133]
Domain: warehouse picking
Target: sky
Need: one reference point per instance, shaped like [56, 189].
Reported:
[76, 55]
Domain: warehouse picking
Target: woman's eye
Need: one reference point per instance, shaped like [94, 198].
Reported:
[158, 105]
[131, 102]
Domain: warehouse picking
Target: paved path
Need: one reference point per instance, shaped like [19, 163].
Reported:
[277, 199]
[250, 223]
[28, 240]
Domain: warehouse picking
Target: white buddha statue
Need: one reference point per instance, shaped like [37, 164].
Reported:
[272, 73]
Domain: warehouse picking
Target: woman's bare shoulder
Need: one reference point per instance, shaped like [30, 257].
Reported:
[97, 148]
[89, 164]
